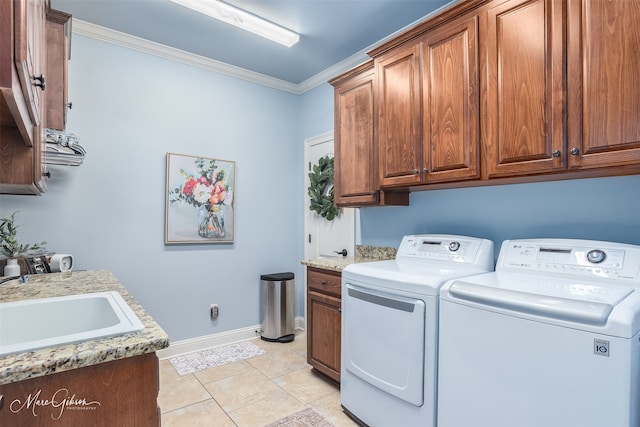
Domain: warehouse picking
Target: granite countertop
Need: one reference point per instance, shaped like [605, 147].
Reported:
[21, 366]
[363, 253]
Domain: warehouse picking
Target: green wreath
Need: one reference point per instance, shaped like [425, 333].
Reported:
[321, 189]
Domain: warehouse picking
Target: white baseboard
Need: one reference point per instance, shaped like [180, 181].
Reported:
[191, 345]
[300, 323]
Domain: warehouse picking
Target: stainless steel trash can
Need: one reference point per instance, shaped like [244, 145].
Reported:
[277, 298]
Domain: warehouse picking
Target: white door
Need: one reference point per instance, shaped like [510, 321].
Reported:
[322, 237]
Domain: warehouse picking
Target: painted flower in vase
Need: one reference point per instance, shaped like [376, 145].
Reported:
[206, 190]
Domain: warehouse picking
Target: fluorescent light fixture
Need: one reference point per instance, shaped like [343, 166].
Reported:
[232, 15]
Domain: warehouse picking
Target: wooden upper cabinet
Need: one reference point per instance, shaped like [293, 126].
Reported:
[522, 94]
[511, 90]
[451, 137]
[22, 82]
[29, 53]
[58, 51]
[355, 160]
[22, 66]
[428, 106]
[399, 115]
[603, 62]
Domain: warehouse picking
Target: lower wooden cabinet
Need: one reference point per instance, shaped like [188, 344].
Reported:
[120, 393]
[324, 318]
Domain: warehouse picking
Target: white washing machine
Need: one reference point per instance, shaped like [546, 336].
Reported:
[390, 326]
[549, 339]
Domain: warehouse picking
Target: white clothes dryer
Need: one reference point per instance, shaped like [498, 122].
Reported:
[390, 326]
[548, 339]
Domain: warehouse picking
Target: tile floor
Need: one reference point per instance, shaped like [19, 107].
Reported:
[249, 393]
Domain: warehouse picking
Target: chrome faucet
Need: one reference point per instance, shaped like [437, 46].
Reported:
[25, 279]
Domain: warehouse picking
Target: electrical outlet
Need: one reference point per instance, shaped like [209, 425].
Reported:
[214, 311]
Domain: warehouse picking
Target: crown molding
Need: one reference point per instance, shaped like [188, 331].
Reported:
[136, 43]
[142, 45]
[98, 32]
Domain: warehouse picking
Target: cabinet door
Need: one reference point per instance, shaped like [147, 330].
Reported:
[521, 91]
[21, 51]
[355, 161]
[603, 83]
[399, 116]
[58, 41]
[450, 101]
[323, 335]
[29, 52]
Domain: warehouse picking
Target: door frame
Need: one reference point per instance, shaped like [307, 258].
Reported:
[308, 143]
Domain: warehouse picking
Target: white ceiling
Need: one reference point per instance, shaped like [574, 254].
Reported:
[332, 31]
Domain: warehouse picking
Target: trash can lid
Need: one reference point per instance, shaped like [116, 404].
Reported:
[277, 277]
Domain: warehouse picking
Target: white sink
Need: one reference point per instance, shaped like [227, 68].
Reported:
[31, 324]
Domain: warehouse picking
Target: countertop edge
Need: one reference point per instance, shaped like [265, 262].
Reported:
[363, 253]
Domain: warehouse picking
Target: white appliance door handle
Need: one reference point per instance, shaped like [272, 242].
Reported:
[370, 296]
[539, 305]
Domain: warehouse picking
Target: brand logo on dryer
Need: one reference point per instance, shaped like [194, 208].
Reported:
[601, 347]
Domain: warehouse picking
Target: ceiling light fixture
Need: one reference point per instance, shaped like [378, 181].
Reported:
[232, 15]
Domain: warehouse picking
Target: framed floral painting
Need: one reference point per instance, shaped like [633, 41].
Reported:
[199, 205]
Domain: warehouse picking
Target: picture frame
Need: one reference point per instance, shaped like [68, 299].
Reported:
[199, 200]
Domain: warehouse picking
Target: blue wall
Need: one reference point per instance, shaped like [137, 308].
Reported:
[596, 209]
[129, 109]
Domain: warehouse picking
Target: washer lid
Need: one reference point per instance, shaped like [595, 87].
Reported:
[587, 302]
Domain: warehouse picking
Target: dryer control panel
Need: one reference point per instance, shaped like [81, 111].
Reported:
[570, 256]
[442, 247]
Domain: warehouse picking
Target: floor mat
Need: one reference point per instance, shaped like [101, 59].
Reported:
[217, 356]
[305, 418]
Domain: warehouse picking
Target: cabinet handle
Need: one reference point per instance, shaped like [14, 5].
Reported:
[425, 170]
[323, 282]
[39, 81]
[574, 151]
[70, 105]
[416, 172]
[556, 153]
[46, 174]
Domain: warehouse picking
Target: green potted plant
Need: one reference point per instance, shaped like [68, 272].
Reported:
[10, 247]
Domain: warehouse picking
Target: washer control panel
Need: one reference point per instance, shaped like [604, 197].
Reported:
[570, 256]
[438, 247]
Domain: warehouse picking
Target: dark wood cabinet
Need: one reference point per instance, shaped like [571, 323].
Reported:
[34, 51]
[526, 97]
[58, 50]
[30, 62]
[356, 158]
[522, 53]
[122, 392]
[356, 177]
[603, 63]
[450, 127]
[22, 86]
[324, 319]
[399, 114]
[506, 91]
[427, 103]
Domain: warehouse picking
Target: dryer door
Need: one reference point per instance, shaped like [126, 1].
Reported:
[383, 341]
